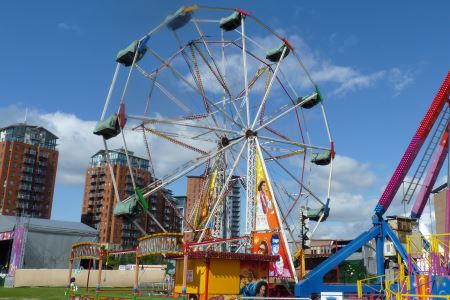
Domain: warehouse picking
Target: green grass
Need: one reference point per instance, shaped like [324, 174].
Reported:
[32, 293]
[45, 293]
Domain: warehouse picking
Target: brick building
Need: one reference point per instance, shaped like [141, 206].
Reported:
[28, 163]
[99, 200]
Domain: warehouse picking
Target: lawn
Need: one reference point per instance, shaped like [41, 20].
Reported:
[32, 293]
[45, 293]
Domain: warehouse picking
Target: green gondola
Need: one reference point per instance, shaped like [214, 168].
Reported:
[108, 128]
[274, 55]
[310, 103]
[321, 159]
[231, 22]
[180, 18]
[125, 208]
[126, 56]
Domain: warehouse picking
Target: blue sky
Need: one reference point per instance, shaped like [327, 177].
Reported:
[388, 58]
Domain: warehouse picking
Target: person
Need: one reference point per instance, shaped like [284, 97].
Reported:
[263, 206]
[261, 289]
[277, 266]
[263, 248]
[73, 287]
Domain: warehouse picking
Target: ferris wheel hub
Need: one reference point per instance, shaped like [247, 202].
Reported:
[250, 133]
[224, 141]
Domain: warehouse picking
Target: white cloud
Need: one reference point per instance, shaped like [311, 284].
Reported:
[340, 78]
[77, 143]
[69, 27]
[348, 175]
[357, 81]
[350, 208]
[399, 80]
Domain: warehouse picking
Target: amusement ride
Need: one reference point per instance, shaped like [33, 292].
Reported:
[214, 92]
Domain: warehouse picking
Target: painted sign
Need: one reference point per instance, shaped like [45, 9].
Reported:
[268, 238]
[160, 243]
[253, 279]
[16, 251]
[7, 235]
[86, 250]
[190, 276]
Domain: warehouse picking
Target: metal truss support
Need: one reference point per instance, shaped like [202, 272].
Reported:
[251, 185]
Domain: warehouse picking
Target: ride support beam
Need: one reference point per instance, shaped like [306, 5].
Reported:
[99, 274]
[136, 274]
[70, 271]
[313, 282]
[416, 143]
[430, 178]
[380, 254]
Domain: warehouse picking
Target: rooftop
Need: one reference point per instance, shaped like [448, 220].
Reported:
[8, 223]
[29, 134]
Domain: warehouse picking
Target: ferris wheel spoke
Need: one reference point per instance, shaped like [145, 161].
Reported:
[244, 60]
[266, 94]
[219, 78]
[183, 136]
[288, 142]
[292, 176]
[186, 168]
[169, 95]
[247, 88]
[285, 110]
[149, 120]
[175, 141]
[182, 78]
[287, 155]
[202, 38]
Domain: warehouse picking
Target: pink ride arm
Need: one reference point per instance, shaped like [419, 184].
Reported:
[431, 177]
[416, 143]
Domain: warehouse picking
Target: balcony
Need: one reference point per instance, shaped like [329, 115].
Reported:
[22, 196]
[40, 171]
[35, 207]
[28, 161]
[23, 205]
[42, 164]
[26, 179]
[38, 189]
[38, 198]
[25, 187]
[30, 152]
[28, 170]
[42, 155]
[39, 180]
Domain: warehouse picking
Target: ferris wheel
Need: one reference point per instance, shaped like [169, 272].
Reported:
[215, 92]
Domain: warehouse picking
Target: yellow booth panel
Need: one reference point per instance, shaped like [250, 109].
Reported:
[195, 283]
[224, 277]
